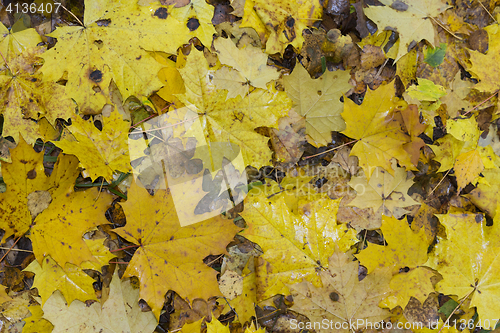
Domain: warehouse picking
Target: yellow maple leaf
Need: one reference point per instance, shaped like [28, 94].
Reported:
[310, 237]
[121, 312]
[101, 153]
[469, 267]
[485, 195]
[72, 281]
[112, 46]
[23, 176]
[318, 101]
[220, 120]
[455, 96]
[59, 229]
[13, 43]
[485, 66]
[404, 247]
[244, 304]
[36, 323]
[285, 21]
[379, 135]
[459, 149]
[215, 326]
[409, 18]
[29, 191]
[343, 300]
[383, 189]
[252, 20]
[415, 283]
[28, 97]
[249, 68]
[171, 256]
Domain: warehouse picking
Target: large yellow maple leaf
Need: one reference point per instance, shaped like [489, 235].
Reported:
[26, 182]
[309, 237]
[170, 257]
[112, 45]
[318, 101]
[469, 267]
[411, 19]
[100, 152]
[405, 248]
[58, 231]
[232, 120]
[379, 134]
[13, 43]
[485, 66]
[346, 303]
[72, 282]
[28, 97]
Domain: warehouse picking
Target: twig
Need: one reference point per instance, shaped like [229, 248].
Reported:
[208, 264]
[456, 308]
[487, 11]
[329, 150]
[486, 100]
[137, 124]
[6, 253]
[439, 182]
[442, 26]
[124, 248]
[381, 68]
[73, 15]
[11, 249]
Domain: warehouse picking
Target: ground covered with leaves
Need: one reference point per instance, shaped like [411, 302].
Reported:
[250, 166]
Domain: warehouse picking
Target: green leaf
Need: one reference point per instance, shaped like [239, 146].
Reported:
[435, 56]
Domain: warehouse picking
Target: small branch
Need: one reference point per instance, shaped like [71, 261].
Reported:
[439, 182]
[119, 262]
[73, 15]
[137, 124]
[381, 68]
[442, 26]
[486, 100]
[456, 308]
[487, 11]
[208, 264]
[6, 253]
[124, 248]
[11, 249]
[329, 150]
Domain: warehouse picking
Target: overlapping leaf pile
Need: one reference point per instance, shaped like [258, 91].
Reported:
[250, 166]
